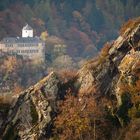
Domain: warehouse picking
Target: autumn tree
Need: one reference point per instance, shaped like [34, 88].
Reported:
[105, 50]
[67, 75]
[17, 88]
[81, 117]
[72, 122]
[10, 64]
[63, 62]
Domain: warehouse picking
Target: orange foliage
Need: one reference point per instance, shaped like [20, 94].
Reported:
[66, 75]
[87, 91]
[73, 120]
[74, 33]
[17, 89]
[130, 24]
[105, 49]
[6, 99]
[77, 117]
[133, 131]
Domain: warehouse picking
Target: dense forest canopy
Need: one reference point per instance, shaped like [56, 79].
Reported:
[101, 100]
[84, 25]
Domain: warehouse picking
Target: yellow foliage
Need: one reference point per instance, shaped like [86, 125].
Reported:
[10, 64]
[44, 35]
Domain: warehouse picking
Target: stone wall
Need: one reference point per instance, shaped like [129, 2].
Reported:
[32, 51]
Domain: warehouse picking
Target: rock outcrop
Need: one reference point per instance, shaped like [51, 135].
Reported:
[117, 74]
[106, 71]
[33, 111]
[116, 77]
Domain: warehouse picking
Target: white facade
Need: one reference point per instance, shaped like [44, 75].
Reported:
[31, 51]
[27, 31]
[27, 46]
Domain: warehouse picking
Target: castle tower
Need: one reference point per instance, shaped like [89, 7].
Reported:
[27, 31]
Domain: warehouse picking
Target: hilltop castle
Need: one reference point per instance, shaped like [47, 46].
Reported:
[27, 46]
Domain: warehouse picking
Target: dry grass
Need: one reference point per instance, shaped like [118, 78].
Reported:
[66, 75]
[105, 49]
[6, 99]
[130, 24]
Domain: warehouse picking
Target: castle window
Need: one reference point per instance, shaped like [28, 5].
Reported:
[18, 51]
[9, 45]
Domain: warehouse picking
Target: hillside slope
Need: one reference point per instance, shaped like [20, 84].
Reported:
[115, 75]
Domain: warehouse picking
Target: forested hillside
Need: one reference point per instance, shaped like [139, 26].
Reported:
[84, 25]
[99, 102]
[74, 31]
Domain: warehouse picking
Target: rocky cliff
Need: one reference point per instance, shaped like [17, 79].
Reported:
[30, 117]
[116, 76]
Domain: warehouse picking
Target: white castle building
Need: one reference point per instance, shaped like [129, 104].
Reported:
[27, 31]
[28, 46]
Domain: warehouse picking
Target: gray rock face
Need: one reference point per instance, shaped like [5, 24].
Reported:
[85, 78]
[129, 73]
[106, 73]
[29, 117]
